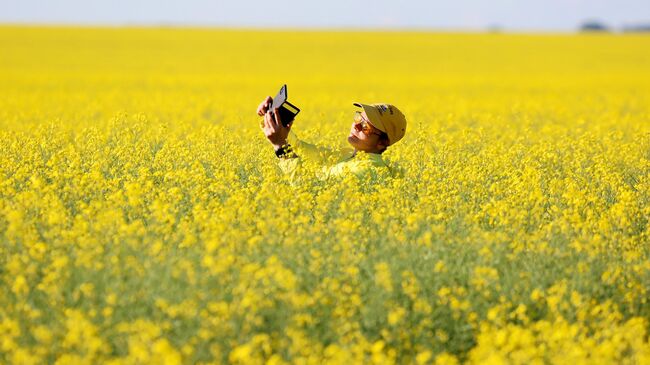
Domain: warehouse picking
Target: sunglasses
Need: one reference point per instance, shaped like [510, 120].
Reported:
[366, 127]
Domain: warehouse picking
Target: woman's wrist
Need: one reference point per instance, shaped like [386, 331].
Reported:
[280, 145]
[285, 151]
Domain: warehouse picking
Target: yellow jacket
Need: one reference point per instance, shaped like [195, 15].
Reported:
[338, 163]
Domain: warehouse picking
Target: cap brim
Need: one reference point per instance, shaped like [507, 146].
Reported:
[373, 115]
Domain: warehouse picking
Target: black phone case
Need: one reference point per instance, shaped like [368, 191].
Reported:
[287, 111]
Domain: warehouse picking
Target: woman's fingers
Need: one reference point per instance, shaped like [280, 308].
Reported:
[270, 120]
[265, 122]
[264, 106]
[261, 109]
[276, 118]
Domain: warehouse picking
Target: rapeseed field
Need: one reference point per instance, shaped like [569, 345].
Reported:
[144, 219]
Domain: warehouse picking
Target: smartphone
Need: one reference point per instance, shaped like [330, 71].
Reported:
[286, 110]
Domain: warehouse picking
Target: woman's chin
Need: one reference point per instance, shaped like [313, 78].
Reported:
[353, 141]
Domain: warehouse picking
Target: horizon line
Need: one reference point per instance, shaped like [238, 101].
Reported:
[415, 29]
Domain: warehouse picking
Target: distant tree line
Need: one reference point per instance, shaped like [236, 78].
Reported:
[597, 26]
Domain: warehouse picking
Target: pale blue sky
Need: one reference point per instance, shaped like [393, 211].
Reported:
[529, 15]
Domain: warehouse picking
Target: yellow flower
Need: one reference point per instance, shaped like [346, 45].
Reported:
[383, 277]
[20, 286]
[396, 315]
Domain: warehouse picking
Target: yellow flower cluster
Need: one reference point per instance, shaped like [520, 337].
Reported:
[144, 219]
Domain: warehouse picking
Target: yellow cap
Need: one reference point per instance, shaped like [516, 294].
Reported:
[387, 118]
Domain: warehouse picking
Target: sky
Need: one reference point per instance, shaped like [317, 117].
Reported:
[524, 15]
